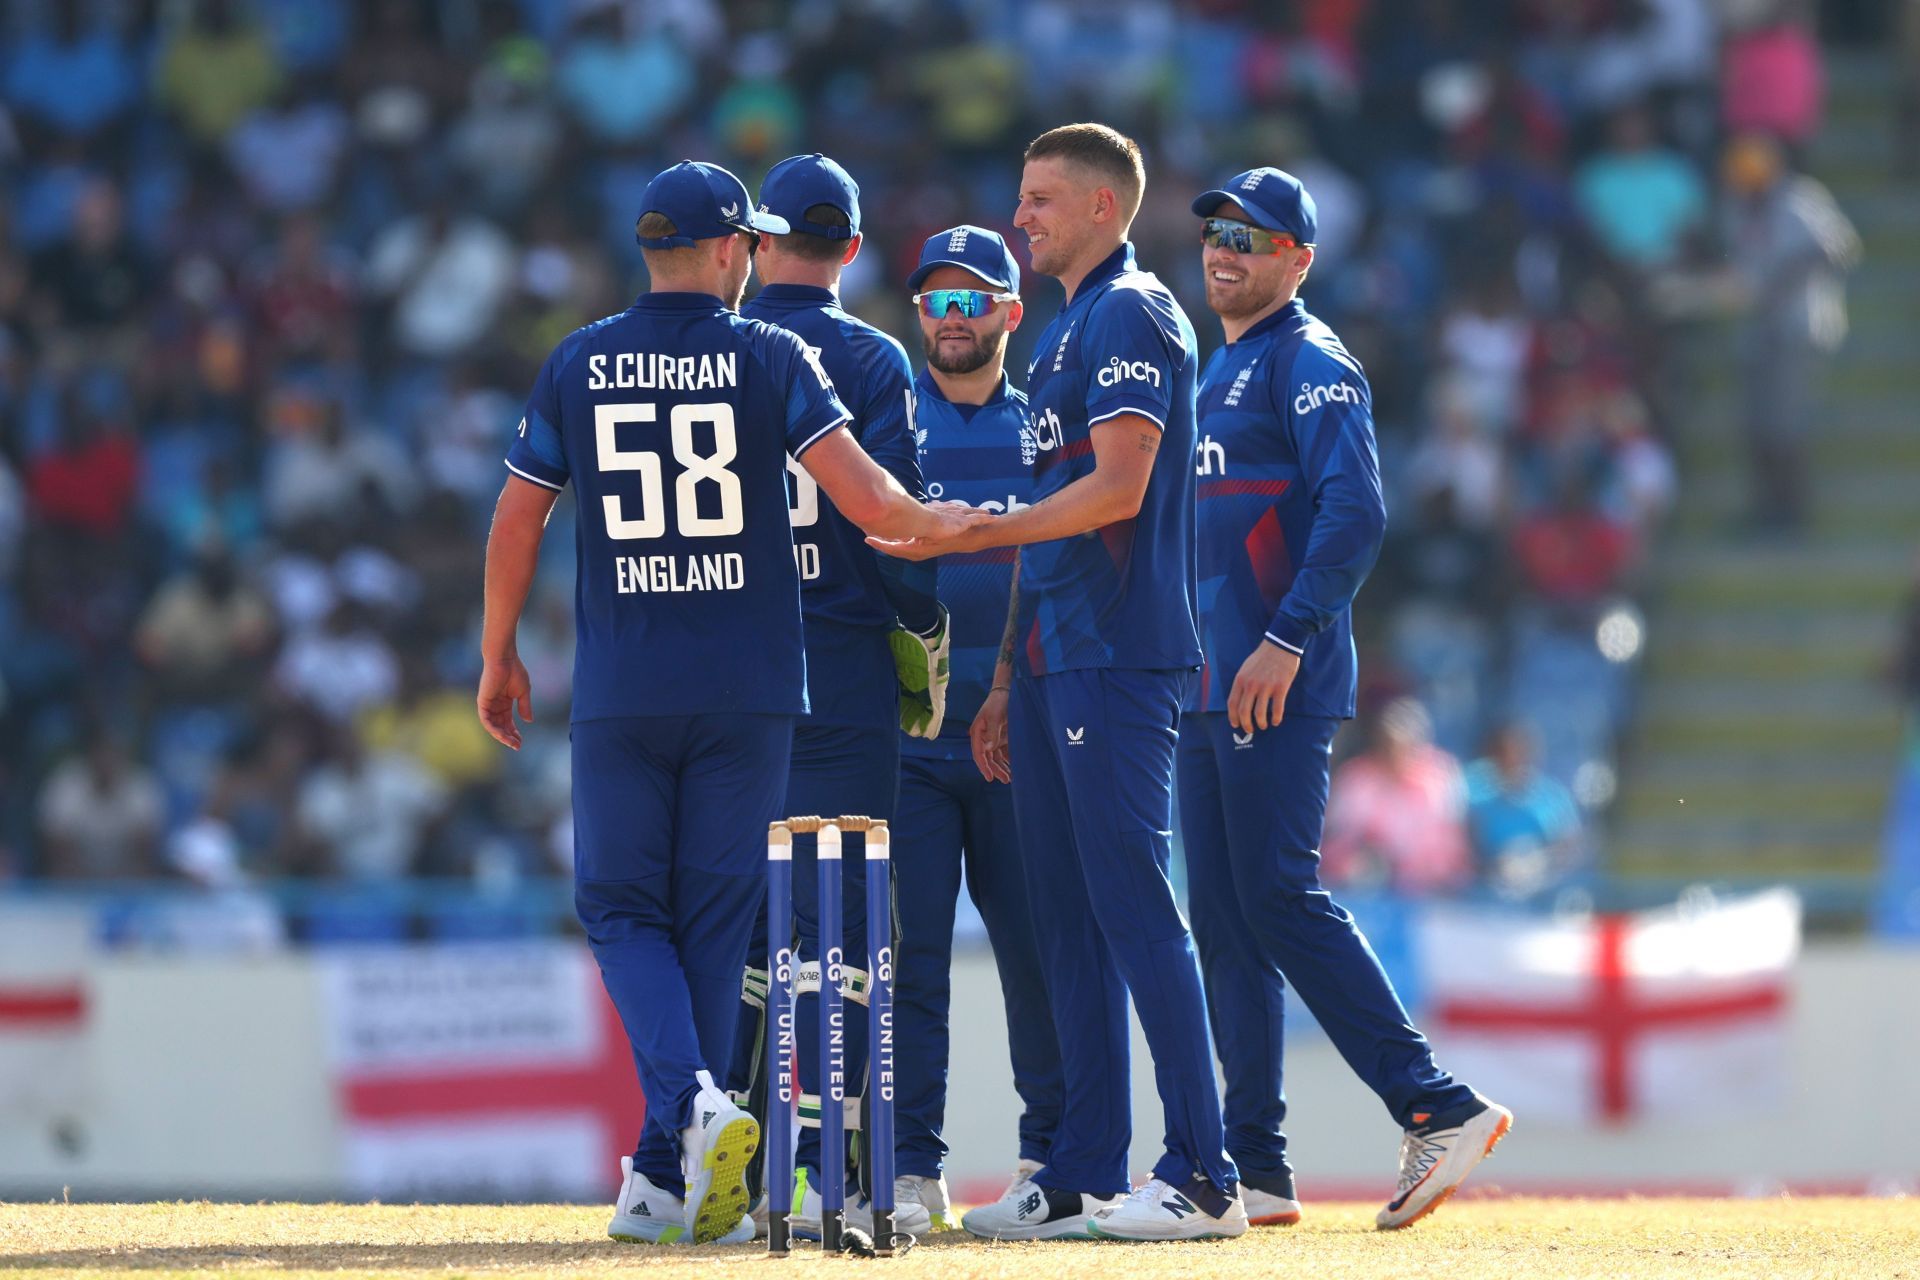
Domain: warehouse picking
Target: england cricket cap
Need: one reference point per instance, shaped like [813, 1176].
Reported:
[1273, 198]
[977, 249]
[705, 202]
[798, 183]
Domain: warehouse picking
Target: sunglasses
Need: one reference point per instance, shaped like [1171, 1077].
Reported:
[753, 238]
[1220, 233]
[973, 303]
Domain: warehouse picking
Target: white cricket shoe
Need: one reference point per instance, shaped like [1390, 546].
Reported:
[1435, 1161]
[1023, 1172]
[758, 1214]
[1161, 1211]
[1265, 1209]
[645, 1214]
[930, 1194]
[715, 1150]
[1028, 1211]
[909, 1216]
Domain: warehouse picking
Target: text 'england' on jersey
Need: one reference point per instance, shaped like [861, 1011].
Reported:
[1286, 454]
[673, 421]
[1122, 595]
[976, 455]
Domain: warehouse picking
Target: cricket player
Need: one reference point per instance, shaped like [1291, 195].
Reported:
[674, 420]
[1100, 651]
[974, 448]
[864, 613]
[1290, 518]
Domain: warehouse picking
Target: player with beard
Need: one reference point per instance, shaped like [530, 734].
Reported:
[1290, 521]
[953, 815]
[674, 421]
[1099, 652]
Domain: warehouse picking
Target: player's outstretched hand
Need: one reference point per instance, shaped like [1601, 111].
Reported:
[1259, 695]
[502, 685]
[988, 737]
[953, 522]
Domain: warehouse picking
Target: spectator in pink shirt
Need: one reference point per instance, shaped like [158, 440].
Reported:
[1396, 816]
[1772, 82]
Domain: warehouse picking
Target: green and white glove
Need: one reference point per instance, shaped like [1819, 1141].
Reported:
[920, 665]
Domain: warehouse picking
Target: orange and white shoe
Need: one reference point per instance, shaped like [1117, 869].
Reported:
[1434, 1162]
[1265, 1209]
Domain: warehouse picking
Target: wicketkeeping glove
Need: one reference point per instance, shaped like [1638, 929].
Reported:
[920, 665]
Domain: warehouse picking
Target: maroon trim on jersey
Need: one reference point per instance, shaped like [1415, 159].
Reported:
[1267, 553]
[1236, 488]
[1036, 655]
[1065, 453]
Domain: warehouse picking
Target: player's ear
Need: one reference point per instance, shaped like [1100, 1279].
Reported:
[1106, 204]
[1014, 314]
[853, 251]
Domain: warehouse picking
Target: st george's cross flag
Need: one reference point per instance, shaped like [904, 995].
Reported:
[1616, 1017]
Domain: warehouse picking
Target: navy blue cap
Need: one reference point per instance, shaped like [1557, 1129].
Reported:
[705, 202]
[1273, 198]
[977, 249]
[798, 183]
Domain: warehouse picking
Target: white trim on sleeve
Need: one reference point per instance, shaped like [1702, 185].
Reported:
[1140, 413]
[816, 437]
[1297, 651]
[544, 484]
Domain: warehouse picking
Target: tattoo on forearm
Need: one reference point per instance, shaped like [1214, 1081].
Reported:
[1149, 441]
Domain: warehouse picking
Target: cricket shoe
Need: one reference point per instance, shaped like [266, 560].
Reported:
[1266, 1209]
[1028, 1211]
[645, 1214]
[715, 1151]
[1161, 1211]
[1023, 1172]
[931, 1195]
[909, 1216]
[1436, 1158]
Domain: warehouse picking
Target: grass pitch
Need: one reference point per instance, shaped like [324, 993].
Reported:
[1477, 1238]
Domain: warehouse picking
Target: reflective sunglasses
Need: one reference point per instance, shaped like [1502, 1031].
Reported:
[1220, 233]
[973, 303]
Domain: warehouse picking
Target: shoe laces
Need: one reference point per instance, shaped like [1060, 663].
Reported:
[1019, 1179]
[1418, 1154]
[1151, 1191]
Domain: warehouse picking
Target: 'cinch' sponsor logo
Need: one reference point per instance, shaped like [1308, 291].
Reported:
[1312, 397]
[1119, 370]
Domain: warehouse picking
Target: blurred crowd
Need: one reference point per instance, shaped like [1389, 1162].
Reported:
[275, 277]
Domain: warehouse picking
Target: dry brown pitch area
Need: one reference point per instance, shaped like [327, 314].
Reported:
[1695, 1239]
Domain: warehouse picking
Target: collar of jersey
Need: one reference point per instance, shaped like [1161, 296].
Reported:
[810, 294]
[680, 302]
[1292, 311]
[928, 386]
[1113, 264]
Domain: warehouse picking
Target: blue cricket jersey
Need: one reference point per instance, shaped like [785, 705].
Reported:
[1123, 595]
[843, 594]
[974, 454]
[673, 421]
[1291, 513]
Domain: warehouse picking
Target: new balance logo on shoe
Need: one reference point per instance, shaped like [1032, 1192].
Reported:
[1178, 1205]
[1032, 1204]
